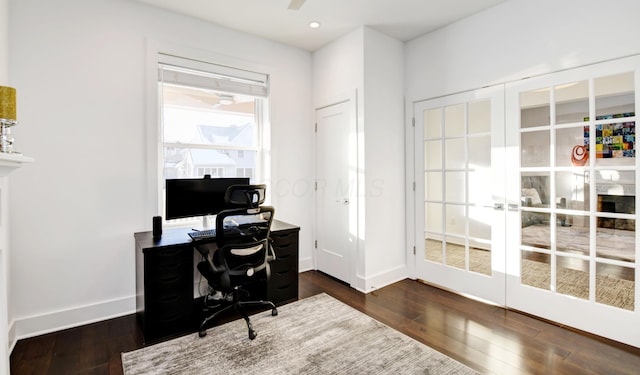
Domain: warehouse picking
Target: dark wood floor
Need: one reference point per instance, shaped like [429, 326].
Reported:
[486, 338]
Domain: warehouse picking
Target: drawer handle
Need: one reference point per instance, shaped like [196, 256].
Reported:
[170, 279]
[282, 236]
[166, 253]
[168, 318]
[170, 266]
[166, 299]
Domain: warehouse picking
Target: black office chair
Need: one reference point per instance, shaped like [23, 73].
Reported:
[243, 253]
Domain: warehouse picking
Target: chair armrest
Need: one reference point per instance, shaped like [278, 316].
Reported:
[271, 254]
[214, 267]
[208, 253]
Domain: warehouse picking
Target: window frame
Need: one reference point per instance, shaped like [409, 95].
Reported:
[155, 145]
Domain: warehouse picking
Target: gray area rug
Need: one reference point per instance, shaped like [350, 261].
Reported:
[316, 335]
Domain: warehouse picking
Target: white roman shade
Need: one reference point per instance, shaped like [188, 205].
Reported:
[193, 73]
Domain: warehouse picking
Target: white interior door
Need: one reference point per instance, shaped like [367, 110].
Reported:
[460, 200]
[573, 244]
[335, 190]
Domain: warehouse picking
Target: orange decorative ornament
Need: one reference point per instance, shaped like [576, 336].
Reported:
[579, 156]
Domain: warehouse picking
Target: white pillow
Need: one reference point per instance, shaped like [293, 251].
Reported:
[533, 194]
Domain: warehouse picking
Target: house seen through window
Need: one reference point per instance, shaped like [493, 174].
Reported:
[211, 120]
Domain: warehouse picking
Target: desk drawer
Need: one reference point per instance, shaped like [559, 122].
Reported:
[169, 258]
[168, 269]
[283, 293]
[169, 306]
[164, 267]
[279, 280]
[286, 252]
[283, 275]
[167, 279]
[167, 325]
[281, 266]
[284, 238]
[167, 288]
[283, 284]
[288, 257]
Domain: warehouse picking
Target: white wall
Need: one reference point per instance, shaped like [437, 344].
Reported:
[371, 64]
[338, 69]
[517, 39]
[4, 42]
[80, 68]
[338, 75]
[4, 255]
[385, 258]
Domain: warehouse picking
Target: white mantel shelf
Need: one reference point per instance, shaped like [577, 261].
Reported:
[9, 162]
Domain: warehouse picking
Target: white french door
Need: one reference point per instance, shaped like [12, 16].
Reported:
[525, 196]
[460, 182]
[573, 246]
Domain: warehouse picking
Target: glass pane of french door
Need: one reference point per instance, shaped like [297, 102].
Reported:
[559, 210]
[574, 260]
[458, 168]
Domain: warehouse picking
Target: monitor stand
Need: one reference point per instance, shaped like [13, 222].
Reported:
[208, 222]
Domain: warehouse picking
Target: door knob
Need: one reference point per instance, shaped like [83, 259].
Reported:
[496, 206]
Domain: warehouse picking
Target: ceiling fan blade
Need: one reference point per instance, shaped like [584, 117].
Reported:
[296, 4]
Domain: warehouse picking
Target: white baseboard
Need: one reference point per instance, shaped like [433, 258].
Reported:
[25, 327]
[305, 264]
[380, 280]
[22, 328]
[58, 320]
[12, 336]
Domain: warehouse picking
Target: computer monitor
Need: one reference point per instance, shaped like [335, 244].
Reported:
[191, 197]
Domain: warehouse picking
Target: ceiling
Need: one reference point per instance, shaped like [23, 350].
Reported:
[272, 19]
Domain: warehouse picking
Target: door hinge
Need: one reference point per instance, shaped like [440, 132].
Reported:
[413, 122]
[315, 185]
[414, 186]
[414, 250]
[315, 245]
[316, 128]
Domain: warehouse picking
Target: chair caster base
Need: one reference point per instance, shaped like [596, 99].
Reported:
[252, 334]
[274, 312]
[202, 333]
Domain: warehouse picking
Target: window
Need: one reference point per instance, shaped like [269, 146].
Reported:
[244, 172]
[211, 120]
[211, 171]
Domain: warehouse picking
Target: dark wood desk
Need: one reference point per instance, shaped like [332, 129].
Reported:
[165, 304]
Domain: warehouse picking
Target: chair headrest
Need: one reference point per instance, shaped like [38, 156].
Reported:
[250, 196]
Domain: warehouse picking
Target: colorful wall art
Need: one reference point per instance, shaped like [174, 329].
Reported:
[615, 140]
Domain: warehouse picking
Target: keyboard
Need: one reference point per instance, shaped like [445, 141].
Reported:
[202, 234]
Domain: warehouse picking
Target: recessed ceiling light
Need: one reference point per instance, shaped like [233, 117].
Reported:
[314, 24]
